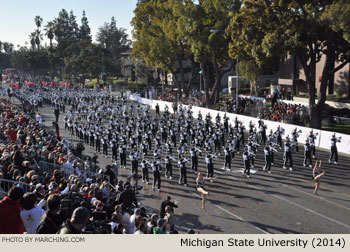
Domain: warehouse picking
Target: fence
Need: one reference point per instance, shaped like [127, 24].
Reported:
[83, 174]
[6, 184]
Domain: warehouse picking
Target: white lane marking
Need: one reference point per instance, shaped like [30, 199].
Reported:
[236, 216]
[298, 205]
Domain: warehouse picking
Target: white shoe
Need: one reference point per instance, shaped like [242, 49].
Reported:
[284, 167]
[304, 165]
[158, 190]
[243, 173]
[212, 181]
[272, 163]
[310, 166]
[179, 183]
[247, 176]
[290, 168]
[335, 162]
[329, 161]
[224, 168]
[313, 157]
[264, 169]
[185, 185]
[171, 178]
[269, 171]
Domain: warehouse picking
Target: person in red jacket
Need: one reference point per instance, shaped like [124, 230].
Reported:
[10, 208]
[13, 135]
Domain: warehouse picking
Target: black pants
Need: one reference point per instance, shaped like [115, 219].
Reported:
[263, 137]
[169, 170]
[238, 145]
[313, 150]
[334, 152]
[296, 147]
[105, 149]
[279, 140]
[210, 170]
[228, 162]
[98, 146]
[194, 163]
[134, 165]
[183, 175]
[247, 167]
[122, 159]
[86, 139]
[288, 156]
[251, 157]
[92, 141]
[307, 156]
[217, 145]
[156, 178]
[145, 174]
[267, 162]
[114, 153]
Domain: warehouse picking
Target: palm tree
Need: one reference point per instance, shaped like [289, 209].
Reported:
[49, 28]
[38, 21]
[32, 37]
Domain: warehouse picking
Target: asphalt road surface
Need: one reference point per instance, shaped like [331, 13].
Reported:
[281, 202]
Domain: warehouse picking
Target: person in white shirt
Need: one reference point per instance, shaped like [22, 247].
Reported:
[137, 212]
[31, 213]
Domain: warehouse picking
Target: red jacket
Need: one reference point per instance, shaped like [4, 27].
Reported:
[10, 219]
[13, 135]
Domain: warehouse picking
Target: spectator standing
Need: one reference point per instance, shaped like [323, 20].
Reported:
[10, 219]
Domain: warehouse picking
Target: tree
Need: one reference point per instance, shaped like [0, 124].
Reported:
[250, 70]
[84, 30]
[295, 27]
[206, 21]
[32, 37]
[338, 14]
[49, 32]
[38, 37]
[160, 38]
[115, 40]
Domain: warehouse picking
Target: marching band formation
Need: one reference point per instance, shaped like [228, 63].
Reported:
[128, 130]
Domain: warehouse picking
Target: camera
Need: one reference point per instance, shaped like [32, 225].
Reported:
[98, 227]
[69, 202]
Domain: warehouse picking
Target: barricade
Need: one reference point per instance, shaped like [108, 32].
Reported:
[50, 167]
[6, 184]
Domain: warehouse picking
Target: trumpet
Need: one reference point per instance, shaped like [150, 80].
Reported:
[273, 149]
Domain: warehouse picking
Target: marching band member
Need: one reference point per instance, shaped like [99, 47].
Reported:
[334, 150]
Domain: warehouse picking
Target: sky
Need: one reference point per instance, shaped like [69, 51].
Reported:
[17, 16]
